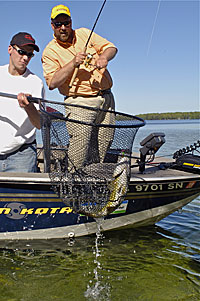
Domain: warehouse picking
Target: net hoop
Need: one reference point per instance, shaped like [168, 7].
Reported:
[53, 115]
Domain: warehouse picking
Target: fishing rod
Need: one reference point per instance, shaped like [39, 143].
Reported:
[89, 57]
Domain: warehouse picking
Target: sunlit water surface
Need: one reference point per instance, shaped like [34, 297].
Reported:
[161, 262]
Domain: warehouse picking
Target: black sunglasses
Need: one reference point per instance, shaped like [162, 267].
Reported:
[59, 24]
[23, 52]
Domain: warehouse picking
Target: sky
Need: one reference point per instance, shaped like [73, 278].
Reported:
[156, 68]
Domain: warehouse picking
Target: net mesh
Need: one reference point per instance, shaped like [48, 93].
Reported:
[87, 153]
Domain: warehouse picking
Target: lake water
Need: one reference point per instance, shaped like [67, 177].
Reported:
[158, 263]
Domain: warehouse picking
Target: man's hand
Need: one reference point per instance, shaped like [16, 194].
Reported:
[101, 62]
[79, 59]
[30, 109]
[22, 99]
[105, 57]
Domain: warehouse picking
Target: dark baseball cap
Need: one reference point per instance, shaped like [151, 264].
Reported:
[23, 39]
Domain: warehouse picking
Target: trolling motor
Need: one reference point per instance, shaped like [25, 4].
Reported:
[186, 160]
[187, 149]
[150, 145]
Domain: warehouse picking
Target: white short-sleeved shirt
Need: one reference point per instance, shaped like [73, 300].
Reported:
[15, 126]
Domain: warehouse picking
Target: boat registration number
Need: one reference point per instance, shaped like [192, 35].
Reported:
[158, 187]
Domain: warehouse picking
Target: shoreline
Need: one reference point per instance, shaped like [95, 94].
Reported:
[171, 116]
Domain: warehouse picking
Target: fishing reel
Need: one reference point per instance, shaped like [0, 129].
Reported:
[88, 60]
[150, 145]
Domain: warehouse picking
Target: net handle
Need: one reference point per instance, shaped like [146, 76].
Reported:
[40, 101]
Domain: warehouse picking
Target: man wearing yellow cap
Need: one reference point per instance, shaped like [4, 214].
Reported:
[92, 85]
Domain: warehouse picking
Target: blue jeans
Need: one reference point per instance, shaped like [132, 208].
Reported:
[20, 161]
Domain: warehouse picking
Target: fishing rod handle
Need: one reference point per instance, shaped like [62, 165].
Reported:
[73, 77]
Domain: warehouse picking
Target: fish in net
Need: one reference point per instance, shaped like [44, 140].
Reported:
[87, 153]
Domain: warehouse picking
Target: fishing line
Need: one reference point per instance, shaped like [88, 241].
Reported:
[154, 25]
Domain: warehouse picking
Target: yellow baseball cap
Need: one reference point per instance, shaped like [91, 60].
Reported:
[60, 9]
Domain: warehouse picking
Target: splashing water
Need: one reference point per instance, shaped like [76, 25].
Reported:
[98, 291]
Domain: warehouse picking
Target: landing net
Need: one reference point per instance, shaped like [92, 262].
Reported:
[87, 154]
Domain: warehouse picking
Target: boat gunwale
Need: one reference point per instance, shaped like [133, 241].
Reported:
[43, 178]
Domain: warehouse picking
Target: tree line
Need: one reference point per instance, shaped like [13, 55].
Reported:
[170, 115]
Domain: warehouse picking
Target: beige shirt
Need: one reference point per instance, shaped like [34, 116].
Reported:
[89, 79]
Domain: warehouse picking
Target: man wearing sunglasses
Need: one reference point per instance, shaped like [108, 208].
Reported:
[19, 118]
[92, 85]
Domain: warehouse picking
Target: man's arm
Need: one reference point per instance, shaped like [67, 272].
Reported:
[66, 71]
[32, 112]
[105, 57]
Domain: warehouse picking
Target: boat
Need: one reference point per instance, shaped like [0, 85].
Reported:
[30, 208]
[35, 206]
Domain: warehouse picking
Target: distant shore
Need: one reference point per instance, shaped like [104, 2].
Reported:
[170, 115]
